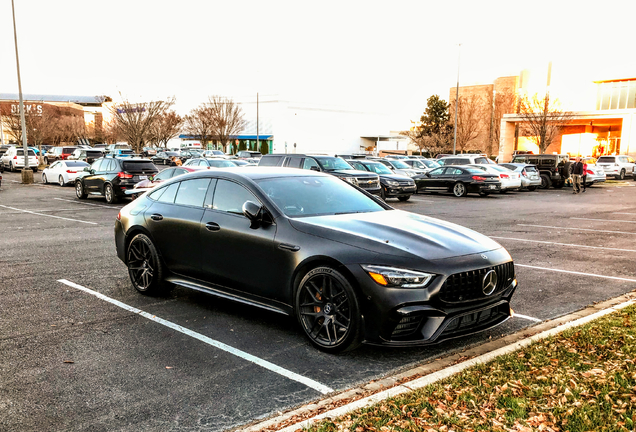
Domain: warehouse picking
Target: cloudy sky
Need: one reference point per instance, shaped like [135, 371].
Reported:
[382, 56]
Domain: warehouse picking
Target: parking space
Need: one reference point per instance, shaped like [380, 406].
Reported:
[82, 350]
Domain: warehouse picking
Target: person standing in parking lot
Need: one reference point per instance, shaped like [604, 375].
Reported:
[577, 172]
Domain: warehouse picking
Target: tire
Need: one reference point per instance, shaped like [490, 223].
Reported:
[79, 190]
[404, 198]
[532, 188]
[35, 170]
[60, 180]
[503, 191]
[484, 194]
[382, 194]
[327, 310]
[11, 167]
[44, 178]
[621, 176]
[46, 160]
[559, 185]
[145, 269]
[109, 194]
[545, 182]
[459, 190]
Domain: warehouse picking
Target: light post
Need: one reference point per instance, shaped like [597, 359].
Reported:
[456, 101]
[27, 173]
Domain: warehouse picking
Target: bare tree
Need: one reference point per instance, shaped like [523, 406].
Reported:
[40, 127]
[228, 119]
[543, 119]
[200, 124]
[469, 115]
[504, 103]
[11, 123]
[165, 127]
[134, 120]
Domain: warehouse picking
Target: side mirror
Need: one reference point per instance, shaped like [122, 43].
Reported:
[428, 174]
[314, 168]
[253, 212]
[87, 169]
[151, 177]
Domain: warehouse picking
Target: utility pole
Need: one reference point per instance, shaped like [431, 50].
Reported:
[456, 102]
[257, 138]
[27, 173]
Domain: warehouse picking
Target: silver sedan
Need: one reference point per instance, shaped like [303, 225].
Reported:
[530, 178]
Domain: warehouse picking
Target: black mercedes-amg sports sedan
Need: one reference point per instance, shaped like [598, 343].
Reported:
[348, 266]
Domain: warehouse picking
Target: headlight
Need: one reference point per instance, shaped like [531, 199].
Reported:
[392, 183]
[411, 173]
[352, 180]
[395, 277]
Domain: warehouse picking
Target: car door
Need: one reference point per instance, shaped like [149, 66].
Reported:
[446, 180]
[232, 253]
[90, 180]
[174, 220]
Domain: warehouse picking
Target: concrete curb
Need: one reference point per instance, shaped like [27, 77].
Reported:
[442, 368]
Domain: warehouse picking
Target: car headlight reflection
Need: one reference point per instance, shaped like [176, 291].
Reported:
[395, 277]
[392, 183]
[352, 180]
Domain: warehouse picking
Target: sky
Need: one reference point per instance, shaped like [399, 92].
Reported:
[375, 56]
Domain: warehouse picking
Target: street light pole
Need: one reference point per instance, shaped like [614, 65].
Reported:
[456, 101]
[27, 173]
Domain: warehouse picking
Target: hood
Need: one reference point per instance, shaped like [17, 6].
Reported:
[353, 173]
[396, 177]
[398, 233]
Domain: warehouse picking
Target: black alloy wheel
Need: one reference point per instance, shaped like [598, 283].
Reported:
[327, 309]
[460, 190]
[109, 194]
[44, 178]
[144, 266]
[79, 190]
[545, 182]
[622, 175]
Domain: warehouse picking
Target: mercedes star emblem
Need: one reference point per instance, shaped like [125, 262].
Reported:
[489, 282]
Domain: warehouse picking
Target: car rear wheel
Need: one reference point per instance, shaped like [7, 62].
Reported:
[545, 182]
[144, 266]
[503, 191]
[327, 309]
[532, 188]
[621, 176]
[404, 198]
[44, 178]
[484, 194]
[459, 190]
[109, 194]
[79, 190]
[60, 180]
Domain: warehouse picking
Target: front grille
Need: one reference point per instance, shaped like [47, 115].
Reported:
[368, 184]
[468, 286]
[406, 183]
[407, 325]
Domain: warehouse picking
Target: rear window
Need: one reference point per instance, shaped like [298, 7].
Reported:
[93, 153]
[75, 164]
[139, 166]
[270, 160]
[518, 159]
[531, 169]
[481, 160]
[68, 149]
[606, 159]
[21, 152]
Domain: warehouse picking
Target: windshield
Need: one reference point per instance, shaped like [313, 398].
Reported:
[399, 164]
[430, 163]
[333, 163]
[221, 163]
[74, 164]
[377, 168]
[314, 196]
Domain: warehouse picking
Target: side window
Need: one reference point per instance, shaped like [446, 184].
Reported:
[454, 171]
[55, 165]
[169, 193]
[229, 197]
[481, 160]
[437, 171]
[97, 164]
[192, 192]
[294, 162]
[309, 163]
[203, 163]
[631, 160]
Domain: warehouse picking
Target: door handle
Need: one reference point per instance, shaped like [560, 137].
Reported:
[156, 217]
[212, 226]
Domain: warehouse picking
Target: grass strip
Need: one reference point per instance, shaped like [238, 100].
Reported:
[583, 379]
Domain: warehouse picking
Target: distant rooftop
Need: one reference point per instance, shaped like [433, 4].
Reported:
[80, 100]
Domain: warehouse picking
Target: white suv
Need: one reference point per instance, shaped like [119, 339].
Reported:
[616, 166]
[465, 159]
[13, 159]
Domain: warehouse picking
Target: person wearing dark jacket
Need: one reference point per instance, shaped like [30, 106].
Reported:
[577, 172]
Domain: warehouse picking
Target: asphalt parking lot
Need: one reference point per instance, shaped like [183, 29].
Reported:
[82, 350]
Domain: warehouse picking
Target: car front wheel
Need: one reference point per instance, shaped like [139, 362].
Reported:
[144, 266]
[79, 190]
[404, 198]
[60, 180]
[44, 178]
[328, 312]
[459, 190]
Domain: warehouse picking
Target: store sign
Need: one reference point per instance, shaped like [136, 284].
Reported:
[29, 109]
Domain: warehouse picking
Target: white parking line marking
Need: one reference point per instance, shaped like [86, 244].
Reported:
[631, 214]
[260, 362]
[576, 273]
[563, 244]
[576, 229]
[526, 317]
[51, 216]
[89, 204]
[603, 220]
[421, 200]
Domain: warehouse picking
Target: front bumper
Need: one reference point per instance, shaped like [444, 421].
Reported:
[400, 190]
[443, 310]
